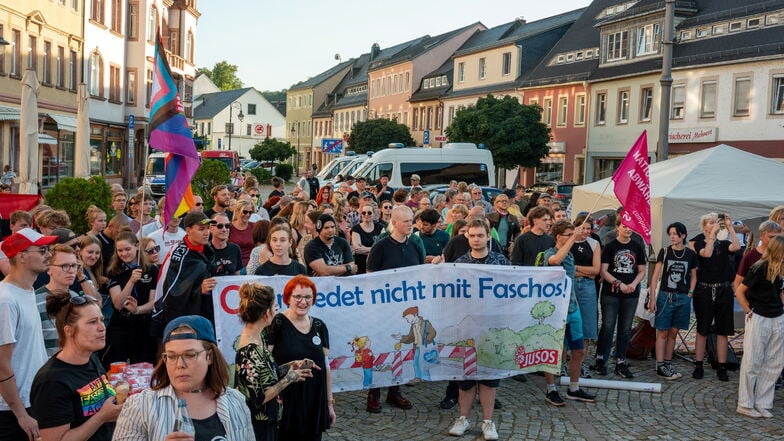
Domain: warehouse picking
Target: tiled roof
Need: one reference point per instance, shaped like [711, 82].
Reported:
[484, 90]
[323, 76]
[214, 103]
[419, 47]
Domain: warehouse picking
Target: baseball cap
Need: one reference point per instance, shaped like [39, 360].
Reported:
[24, 239]
[323, 219]
[545, 196]
[195, 217]
[64, 235]
[202, 329]
[367, 194]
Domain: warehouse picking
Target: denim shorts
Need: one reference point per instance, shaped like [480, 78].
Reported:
[672, 310]
[585, 291]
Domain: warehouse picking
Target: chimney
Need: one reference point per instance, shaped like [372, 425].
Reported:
[374, 51]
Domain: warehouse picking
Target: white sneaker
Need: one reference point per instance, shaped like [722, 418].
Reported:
[460, 426]
[748, 411]
[488, 430]
[764, 412]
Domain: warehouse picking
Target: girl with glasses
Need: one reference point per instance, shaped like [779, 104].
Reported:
[257, 376]
[308, 406]
[364, 235]
[241, 232]
[71, 392]
[132, 290]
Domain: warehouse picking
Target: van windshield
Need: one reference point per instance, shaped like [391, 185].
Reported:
[155, 165]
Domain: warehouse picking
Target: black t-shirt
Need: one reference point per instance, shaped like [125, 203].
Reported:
[623, 260]
[294, 268]
[141, 290]
[228, 260]
[583, 252]
[337, 254]
[209, 429]
[458, 246]
[211, 211]
[388, 253]
[64, 393]
[719, 266]
[386, 195]
[313, 183]
[367, 239]
[528, 245]
[277, 193]
[676, 269]
[762, 294]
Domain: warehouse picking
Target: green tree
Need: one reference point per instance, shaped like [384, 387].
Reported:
[74, 195]
[274, 95]
[224, 75]
[542, 310]
[211, 172]
[513, 132]
[272, 150]
[376, 134]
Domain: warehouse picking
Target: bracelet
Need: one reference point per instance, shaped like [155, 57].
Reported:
[12, 376]
[691, 291]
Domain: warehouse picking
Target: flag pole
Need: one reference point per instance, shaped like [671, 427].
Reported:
[596, 202]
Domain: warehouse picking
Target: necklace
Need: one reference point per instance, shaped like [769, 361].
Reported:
[196, 391]
[683, 252]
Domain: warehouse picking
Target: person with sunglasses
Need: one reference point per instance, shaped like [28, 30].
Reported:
[63, 268]
[241, 232]
[152, 250]
[364, 235]
[167, 238]
[71, 395]
[386, 212]
[227, 255]
[191, 369]
[132, 289]
[22, 350]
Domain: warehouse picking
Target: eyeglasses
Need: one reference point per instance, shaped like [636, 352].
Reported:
[387, 207]
[247, 212]
[367, 213]
[199, 204]
[66, 267]
[42, 251]
[222, 226]
[187, 357]
[503, 201]
[254, 195]
[153, 250]
[299, 298]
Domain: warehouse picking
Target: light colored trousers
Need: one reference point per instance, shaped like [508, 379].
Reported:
[763, 360]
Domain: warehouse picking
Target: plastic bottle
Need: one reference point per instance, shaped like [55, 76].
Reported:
[183, 423]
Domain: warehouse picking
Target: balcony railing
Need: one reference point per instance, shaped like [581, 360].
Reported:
[176, 61]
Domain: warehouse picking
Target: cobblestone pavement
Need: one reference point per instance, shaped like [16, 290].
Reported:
[686, 409]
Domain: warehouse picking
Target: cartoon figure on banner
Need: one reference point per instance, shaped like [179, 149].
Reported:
[421, 334]
[364, 357]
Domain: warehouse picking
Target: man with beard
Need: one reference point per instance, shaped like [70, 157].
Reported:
[327, 254]
[221, 197]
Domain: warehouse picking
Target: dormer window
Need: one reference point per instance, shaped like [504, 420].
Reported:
[648, 38]
[617, 47]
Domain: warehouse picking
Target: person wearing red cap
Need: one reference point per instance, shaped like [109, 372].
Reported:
[22, 350]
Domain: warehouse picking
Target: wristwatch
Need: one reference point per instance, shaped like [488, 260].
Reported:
[348, 268]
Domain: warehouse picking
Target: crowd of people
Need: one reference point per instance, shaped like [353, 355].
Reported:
[137, 287]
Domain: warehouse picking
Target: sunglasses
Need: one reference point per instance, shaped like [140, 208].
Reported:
[367, 213]
[247, 212]
[199, 204]
[387, 207]
[254, 195]
[78, 301]
[153, 250]
[222, 226]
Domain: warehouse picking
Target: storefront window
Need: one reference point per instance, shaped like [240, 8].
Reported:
[49, 165]
[67, 154]
[605, 167]
[95, 157]
[114, 152]
[551, 171]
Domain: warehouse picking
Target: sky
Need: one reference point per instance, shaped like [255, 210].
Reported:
[278, 43]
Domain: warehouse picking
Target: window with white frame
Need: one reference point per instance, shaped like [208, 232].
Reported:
[438, 81]
[32, 52]
[702, 32]
[601, 108]
[46, 57]
[547, 111]
[646, 103]
[623, 107]
[741, 100]
[736, 26]
[95, 67]
[130, 90]
[460, 72]
[708, 99]
[648, 38]
[563, 106]
[152, 24]
[482, 68]
[506, 63]
[579, 110]
[753, 23]
[678, 102]
[617, 46]
[60, 67]
[777, 95]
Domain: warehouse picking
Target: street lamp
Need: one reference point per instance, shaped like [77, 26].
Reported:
[230, 128]
[296, 156]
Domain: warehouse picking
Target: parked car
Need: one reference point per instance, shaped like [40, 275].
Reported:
[563, 190]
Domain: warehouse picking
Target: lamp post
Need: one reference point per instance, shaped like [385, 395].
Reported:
[230, 128]
[296, 155]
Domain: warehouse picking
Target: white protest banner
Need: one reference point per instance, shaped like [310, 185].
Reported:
[427, 322]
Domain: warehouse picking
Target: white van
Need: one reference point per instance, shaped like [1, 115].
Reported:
[459, 161]
[334, 167]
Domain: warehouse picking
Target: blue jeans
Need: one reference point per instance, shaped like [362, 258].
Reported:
[618, 311]
[585, 291]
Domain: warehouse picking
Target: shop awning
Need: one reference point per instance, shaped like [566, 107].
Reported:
[64, 122]
[43, 138]
[9, 114]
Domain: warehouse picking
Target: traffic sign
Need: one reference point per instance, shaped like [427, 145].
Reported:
[329, 145]
[426, 137]
[440, 138]
[258, 129]
[131, 121]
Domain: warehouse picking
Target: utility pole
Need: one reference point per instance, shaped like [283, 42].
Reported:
[668, 41]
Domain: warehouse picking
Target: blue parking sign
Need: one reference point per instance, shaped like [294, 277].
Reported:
[426, 137]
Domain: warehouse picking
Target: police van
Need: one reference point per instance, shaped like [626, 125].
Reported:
[459, 161]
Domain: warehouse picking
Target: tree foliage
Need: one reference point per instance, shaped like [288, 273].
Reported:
[376, 134]
[211, 172]
[74, 195]
[224, 75]
[542, 310]
[272, 150]
[513, 132]
[284, 171]
[274, 95]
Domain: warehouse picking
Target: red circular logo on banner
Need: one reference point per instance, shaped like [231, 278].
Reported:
[224, 294]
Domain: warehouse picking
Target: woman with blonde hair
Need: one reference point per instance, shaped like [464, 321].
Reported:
[91, 280]
[777, 215]
[241, 231]
[298, 220]
[96, 220]
[761, 295]
[282, 260]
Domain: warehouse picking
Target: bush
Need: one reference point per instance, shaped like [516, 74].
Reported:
[262, 174]
[211, 172]
[284, 171]
[74, 195]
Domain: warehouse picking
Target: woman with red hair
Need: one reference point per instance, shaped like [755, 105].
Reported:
[308, 407]
[324, 195]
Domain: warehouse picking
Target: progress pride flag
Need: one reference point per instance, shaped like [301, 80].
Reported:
[633, 188]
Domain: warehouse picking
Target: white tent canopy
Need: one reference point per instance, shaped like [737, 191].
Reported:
[720, 179]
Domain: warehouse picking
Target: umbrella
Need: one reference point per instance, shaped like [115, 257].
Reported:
[82, 148]
[28, 139]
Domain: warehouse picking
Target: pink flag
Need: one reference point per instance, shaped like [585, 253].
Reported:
[633, 188]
